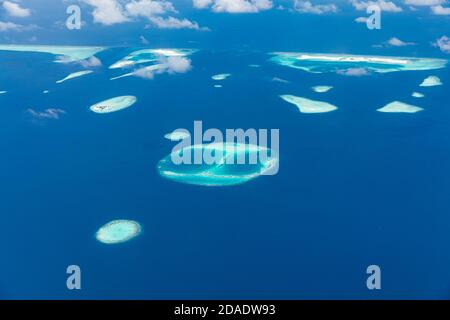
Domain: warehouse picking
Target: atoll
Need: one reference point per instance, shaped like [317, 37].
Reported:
[222, 172]
[321, 63]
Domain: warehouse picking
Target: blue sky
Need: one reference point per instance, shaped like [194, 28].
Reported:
[414, 26]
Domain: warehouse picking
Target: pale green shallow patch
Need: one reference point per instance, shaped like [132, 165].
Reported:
[177, 135]
[118, 231]
[114, 104]
[322, 89]
[71, 53]
[321, 63]
[75, 75]
[417, 95]
[307, 105]
[219, 77]
[431, 81]
[221, 173]
[399, 107]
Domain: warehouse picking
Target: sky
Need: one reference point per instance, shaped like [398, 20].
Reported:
[418, 27]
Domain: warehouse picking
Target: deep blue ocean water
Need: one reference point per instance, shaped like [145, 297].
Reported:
[356, 187]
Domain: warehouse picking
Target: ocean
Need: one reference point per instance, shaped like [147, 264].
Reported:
[355, 187]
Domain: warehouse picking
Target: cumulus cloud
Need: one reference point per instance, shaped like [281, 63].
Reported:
[354, 72]
[201, 4]
[234, 6]
[149, 8]
[387, 6]
[419, 3]
[15, 10]
[306, 6]
[110, 12]
[107, 12]
[92, 62]
[443, 43]
[396, 42]
[169, 65]
[175, 23]
[440, 10]
[9, 26]
[51, 113]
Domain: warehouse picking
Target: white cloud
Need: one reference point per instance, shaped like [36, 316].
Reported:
[354, 72]
[440, 10]
[201, 4]
[144, 73]
[9, 26]
[443, 43]
[424, 2]
[234, 6]
[149, 8]
[50, 113]
[15, 10]
[166, 65]
[174, 23]
[91, 62]
[178, 65]
[107, 12]
[396, 42]
[308, 7]
[387, 6]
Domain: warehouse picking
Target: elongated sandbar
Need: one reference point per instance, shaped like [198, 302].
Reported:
[307, 105]
[114, 104]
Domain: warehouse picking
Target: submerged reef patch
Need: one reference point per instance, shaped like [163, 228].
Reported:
[118, 231]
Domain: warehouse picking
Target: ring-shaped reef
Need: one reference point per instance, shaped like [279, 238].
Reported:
[235, 163]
